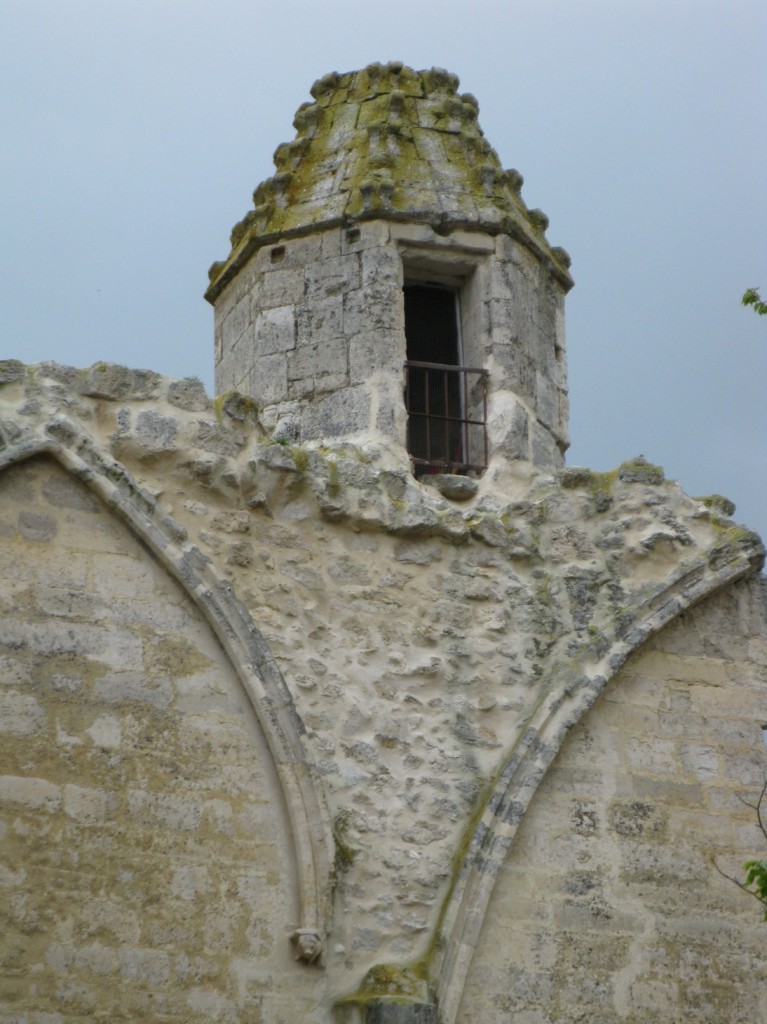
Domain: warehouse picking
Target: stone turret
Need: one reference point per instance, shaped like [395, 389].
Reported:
[391, 233]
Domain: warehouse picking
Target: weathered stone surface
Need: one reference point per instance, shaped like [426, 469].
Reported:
[456, 488]
[11, 370]
[389, 140]
[418, 642]
[610, 906]
[639, 471]
[288, 735]
[400, 1013]
[188, 394]
[108, 380]
[143, 853]
[310, 300]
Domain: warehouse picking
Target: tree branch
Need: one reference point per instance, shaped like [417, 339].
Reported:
[759, 803]
[740, 885]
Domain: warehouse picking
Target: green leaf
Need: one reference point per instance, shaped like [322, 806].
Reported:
[751, 297]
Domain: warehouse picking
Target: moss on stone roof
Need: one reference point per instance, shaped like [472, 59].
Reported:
[387, 143]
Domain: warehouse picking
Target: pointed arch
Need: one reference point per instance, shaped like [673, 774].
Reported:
[572, 691]
[238, 635]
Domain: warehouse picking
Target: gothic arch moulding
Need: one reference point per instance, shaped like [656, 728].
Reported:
[572, 692]
[71, 447]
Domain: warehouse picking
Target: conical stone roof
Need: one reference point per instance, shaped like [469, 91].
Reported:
[387, 143]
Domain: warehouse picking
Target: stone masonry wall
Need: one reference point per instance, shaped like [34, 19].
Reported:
[430, 654]
[146, 870]
[313, 329]
[609, 907]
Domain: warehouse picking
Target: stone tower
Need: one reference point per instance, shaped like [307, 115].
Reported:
[391, 234]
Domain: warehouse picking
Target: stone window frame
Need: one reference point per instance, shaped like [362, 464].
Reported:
[444, 263]
[462, 265]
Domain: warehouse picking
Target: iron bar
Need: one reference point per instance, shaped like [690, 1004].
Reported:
[441, 419]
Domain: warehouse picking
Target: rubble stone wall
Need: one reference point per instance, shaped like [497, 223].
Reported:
[430, 653]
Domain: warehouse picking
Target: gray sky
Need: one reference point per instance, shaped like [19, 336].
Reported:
[134, 133]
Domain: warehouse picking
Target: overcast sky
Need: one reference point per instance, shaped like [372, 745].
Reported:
[134, 132]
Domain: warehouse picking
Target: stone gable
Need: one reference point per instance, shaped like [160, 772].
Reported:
[311, 710]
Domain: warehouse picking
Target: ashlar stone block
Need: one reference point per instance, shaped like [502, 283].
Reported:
[544, 450]
[20, 713]
[295, 254]
[320, 321]
[30, 792]
[269, 379]
[370, 234]
[339, 414]
[235, 324]
[332, 276]
[275, 330]
[280, 287]
[382, 265]
[378, 307]
[85, 805]
[547, 405]
[508, 426]
[373, 352]
[310, 362]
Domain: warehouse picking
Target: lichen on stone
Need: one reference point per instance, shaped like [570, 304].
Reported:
[387, 141]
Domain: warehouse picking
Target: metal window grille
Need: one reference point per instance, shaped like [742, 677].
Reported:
[447, 417]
